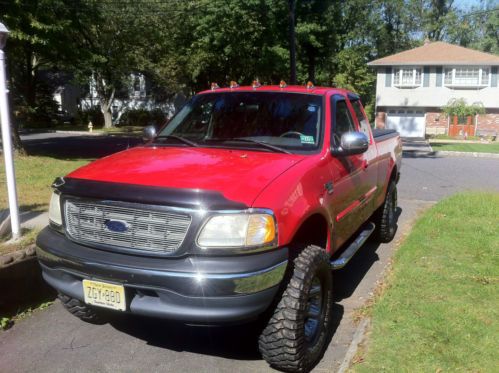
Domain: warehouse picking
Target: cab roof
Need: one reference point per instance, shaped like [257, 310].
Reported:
[277, 88]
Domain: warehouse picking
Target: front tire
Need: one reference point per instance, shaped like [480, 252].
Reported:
[81, 310]
[385, 217]
[296, 335]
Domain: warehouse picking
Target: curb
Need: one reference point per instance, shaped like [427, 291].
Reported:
[442, 153]
[445, 153]
[10, 259]
[21, 281]
[81, 133]
[358, 337]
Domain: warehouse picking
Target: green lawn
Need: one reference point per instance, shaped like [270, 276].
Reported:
[463, 147]
[34, 176]
[440, 309]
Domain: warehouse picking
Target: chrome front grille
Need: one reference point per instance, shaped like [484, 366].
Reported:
[125, 227]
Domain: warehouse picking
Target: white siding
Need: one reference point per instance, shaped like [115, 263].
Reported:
[431, 96]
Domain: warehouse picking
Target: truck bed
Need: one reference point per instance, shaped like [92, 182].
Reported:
[383, 134]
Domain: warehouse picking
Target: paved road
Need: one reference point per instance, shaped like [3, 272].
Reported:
[54, 341]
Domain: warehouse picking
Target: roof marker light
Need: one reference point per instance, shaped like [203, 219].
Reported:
[282, 84]
[214, 86]
[233, 84]
[310, 85]
[256, 84]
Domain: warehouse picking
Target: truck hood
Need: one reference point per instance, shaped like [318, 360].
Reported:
[240, 175]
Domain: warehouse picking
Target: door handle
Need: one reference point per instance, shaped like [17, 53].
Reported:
[365, 164]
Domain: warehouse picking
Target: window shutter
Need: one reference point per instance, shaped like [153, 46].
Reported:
[388, 77]
[493, 82]
[426, 76]
[439, 76]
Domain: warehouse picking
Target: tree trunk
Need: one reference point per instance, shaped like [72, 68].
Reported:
[292, 41]
[105, 108]
[16, 141]
[108, 119]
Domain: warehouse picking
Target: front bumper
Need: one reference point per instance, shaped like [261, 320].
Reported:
[204, 289]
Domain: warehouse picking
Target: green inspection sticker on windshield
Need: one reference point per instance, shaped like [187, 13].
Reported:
[304, 139]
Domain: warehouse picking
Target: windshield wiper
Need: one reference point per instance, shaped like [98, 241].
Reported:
[181, 139]
[261, 143]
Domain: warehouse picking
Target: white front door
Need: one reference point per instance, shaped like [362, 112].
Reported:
[409, 123]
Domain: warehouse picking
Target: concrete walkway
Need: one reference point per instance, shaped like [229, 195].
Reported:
[415, 145]
[34, 219]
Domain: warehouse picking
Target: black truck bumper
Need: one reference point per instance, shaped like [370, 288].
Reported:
[194, 289]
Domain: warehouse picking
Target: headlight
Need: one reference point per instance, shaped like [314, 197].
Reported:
[238, 230]
[55, 209]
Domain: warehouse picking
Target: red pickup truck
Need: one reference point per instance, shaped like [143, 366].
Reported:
[239, 208]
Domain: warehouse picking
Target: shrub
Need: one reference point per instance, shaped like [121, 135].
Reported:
[93, 115]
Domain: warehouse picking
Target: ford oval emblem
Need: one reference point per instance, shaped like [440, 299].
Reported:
[116, 225]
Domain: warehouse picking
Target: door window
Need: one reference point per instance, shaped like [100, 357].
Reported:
[364, 124]
[343, 121]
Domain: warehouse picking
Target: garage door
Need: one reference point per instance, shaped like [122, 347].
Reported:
[409, 123]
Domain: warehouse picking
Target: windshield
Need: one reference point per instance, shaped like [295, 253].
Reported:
[286, 121]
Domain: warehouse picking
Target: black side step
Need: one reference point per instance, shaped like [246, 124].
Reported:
[353, 248]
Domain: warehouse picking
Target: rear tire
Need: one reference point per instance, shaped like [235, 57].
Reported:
[81, 310]
[385, 217]
[297, 333]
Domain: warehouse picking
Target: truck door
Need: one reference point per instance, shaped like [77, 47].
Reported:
[350, 181]
[370, 157]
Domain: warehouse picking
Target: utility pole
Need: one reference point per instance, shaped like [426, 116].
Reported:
[7, 140]
[292, 41]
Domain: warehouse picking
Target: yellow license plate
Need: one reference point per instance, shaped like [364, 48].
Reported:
[103, 294]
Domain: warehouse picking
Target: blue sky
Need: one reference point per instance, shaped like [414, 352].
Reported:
[466, 4]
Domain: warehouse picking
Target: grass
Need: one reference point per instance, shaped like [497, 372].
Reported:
[440, 309]
[34, 175]
[460, 147]
[447, 137]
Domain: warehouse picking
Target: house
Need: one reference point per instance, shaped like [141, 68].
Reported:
[413, 86]
[136, 95]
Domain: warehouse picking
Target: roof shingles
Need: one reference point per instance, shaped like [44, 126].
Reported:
[438, 53]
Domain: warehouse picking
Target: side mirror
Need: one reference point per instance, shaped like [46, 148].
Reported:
[352, 143]
[149, 133]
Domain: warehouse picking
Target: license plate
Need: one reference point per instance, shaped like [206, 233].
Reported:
[103, 294]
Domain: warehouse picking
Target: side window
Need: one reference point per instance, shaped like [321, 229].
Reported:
[342, 122]
[364, 124]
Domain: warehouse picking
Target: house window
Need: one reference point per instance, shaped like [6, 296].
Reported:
[485, 77]
[467, 76]
[448, 76]
[407, 77]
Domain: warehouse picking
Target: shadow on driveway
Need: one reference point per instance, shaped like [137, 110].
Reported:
[240, 342]
[70, 147]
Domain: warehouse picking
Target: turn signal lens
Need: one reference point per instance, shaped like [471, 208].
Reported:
[256, 84]
[261, 230]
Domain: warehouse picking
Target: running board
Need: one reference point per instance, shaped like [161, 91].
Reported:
[353, 248]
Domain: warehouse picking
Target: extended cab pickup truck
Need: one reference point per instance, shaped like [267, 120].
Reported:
[239, 208]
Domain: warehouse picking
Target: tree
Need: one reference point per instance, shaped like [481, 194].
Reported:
[114, 41]
[485, 24]
[39, 39]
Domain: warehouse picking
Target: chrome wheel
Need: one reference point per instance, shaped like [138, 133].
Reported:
[314, 316]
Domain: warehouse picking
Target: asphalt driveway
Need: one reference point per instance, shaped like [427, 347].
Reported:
[54, 341]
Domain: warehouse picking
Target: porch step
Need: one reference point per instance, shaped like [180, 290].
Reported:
[353, 248]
